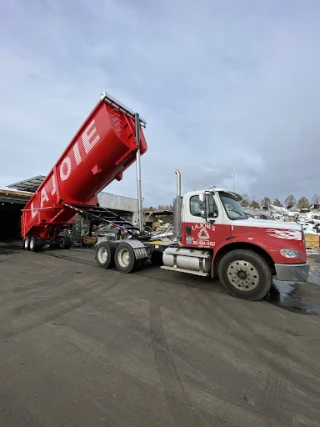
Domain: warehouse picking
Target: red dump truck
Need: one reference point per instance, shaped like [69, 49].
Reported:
[212, 235]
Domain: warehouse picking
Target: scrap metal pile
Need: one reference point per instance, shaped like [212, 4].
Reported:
[162, 231]
[310, 223]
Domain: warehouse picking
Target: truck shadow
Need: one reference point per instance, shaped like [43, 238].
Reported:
[283, 294]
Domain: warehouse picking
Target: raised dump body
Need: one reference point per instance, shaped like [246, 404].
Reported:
[102, 149]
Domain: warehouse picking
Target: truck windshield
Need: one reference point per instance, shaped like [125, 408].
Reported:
[232, 206]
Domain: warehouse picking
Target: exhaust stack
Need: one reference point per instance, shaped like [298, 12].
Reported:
[177, 206]
[178, 173]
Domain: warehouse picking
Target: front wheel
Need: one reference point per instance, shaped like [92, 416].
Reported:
[245, 274]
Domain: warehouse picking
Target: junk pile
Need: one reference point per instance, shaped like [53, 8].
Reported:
[311, 226]
[310, 222]
[165, 230]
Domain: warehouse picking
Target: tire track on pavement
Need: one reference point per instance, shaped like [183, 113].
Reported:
[71, 258]
[276, 382]
[87, 295]
[58, 279]
[175, 394]
[278, 377]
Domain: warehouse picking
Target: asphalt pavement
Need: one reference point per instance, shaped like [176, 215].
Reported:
[81, 346]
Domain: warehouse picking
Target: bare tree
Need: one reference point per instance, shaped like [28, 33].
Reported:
[278, 203]
[290, 201]
[245, 201]
[303, 203]
[316, 199]
[265, 202]
[254, 205]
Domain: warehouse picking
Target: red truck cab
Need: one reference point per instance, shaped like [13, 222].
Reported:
[244, 253]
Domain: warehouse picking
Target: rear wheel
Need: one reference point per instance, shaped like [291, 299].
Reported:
[41, 243]
[26, 244]
[69, 242]
[245, 274]
[140, 264]
[33, 244]
[36, 244]
[65, 242]
[125, 258]
[105, 254]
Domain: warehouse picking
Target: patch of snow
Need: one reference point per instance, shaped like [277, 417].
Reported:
[313, 251]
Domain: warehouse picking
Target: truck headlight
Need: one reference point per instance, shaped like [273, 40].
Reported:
[290, 253]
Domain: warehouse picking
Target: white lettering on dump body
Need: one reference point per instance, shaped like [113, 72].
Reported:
[54, 187]
[44, 197]
[88, 138]
[66, 161]
[33, 210]
[77, 154]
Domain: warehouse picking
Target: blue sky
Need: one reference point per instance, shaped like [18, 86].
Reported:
[224, 86]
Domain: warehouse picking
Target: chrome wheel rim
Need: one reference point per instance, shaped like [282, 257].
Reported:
[243, 275]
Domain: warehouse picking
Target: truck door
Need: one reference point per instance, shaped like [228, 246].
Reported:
[199, 232]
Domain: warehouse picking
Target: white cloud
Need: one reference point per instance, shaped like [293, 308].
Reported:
[223, 87]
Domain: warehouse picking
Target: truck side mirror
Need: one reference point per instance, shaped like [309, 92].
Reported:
[203, 205]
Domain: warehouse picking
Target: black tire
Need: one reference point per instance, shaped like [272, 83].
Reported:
[245, 274]
[125, 258]
[65, 242]
[26, 244]
[140, 264]
[69, 242]
[34, 244]
[105, 254]
[40, 243]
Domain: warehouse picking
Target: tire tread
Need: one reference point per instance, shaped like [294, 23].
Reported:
[260, 263]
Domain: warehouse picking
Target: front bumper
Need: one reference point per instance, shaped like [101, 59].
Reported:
[292, 272]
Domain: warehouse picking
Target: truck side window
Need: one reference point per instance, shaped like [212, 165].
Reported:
[212, 207]
[211, 204]
[195, 206]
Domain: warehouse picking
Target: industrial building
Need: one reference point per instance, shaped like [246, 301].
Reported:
[13, 200]
[11, 203]
[126, 207]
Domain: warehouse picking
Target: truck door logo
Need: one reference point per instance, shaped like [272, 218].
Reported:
[203, 234]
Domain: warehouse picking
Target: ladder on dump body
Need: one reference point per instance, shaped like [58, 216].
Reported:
[103, 215]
